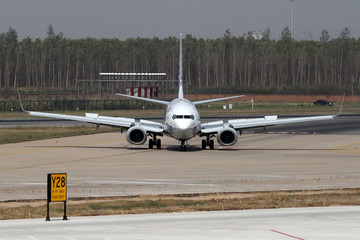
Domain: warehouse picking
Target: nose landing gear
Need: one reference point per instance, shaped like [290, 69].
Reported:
[183, 146]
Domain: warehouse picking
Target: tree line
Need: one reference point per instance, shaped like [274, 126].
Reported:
[226, 63]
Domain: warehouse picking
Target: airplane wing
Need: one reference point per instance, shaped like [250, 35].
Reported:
[211, 128]
[148, 126]
[125, 123]
[266, 121]
[152, 127]
[273, 120]
[89, 118]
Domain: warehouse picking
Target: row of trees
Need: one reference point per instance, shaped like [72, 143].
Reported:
[228, 62]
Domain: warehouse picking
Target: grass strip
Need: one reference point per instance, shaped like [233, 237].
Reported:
[181, 203]
[22, 134]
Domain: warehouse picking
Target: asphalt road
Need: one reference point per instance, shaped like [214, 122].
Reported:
[346, 125]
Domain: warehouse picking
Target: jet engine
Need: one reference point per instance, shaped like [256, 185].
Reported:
[227, 136]
[136, 135]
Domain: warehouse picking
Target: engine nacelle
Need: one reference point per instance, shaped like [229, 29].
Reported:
[136, 135]
[227, 136]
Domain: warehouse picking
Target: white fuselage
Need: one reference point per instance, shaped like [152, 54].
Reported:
[182, 119]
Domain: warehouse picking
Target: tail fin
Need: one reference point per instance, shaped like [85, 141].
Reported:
[181, 90]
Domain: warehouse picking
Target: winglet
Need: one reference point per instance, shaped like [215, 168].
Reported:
[341, 106]
[21, 105]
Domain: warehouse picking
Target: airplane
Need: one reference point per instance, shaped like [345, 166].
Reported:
[181, 122]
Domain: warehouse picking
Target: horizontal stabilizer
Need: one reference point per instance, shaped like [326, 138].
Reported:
[215, 100]
[144, 99]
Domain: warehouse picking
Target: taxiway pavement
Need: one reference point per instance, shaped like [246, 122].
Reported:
[106, 165]
[297, 223]
[100, 165]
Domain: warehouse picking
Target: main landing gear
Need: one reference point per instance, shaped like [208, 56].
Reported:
[208, 142]
[153, 142]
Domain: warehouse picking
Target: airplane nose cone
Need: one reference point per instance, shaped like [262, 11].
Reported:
[183, 125]
[185, 129]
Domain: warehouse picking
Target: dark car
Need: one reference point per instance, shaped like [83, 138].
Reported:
[322, 102]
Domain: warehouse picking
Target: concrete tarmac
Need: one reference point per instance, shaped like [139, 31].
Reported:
[297, 223]
[106, 165]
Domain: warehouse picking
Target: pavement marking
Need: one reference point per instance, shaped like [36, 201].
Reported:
[285, 234]
[33, 238]
[33, 183]
[353, 148]
[152, 183]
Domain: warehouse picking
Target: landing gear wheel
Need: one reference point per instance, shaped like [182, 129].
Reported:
[158, 144]
[183, 146]
[151, 144]
[211, 144]
[208, 142]
[203, 144]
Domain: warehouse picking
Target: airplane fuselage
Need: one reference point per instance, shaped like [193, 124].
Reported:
[182, 119]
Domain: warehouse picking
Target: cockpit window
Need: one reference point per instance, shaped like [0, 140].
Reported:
[183, 117]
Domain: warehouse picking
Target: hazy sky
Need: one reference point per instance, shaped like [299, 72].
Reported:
[162, 18]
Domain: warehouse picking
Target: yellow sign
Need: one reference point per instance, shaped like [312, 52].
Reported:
[57, 189]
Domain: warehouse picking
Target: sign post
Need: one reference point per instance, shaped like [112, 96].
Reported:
[56, 191]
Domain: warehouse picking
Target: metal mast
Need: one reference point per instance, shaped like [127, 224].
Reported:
[292, 18]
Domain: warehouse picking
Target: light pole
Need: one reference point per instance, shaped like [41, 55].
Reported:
[292, 18]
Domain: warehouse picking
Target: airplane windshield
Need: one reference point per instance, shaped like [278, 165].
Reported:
[183, 117]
